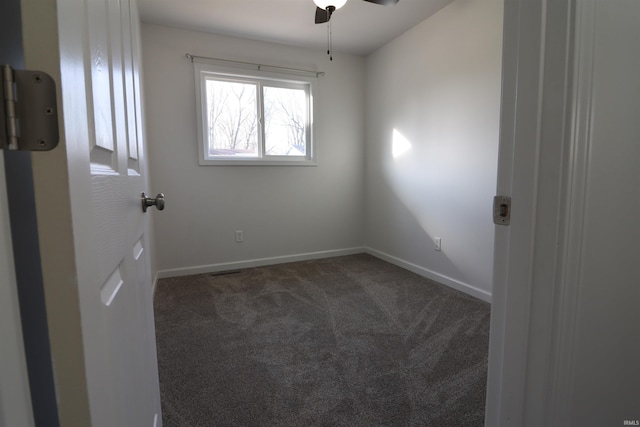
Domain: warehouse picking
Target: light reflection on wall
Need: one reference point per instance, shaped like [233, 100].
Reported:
[400, 144]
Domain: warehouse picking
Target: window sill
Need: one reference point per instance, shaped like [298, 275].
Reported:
[257, 162]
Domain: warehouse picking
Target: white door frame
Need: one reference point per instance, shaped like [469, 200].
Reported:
[536, 107]
[15, 394]
[15, 398]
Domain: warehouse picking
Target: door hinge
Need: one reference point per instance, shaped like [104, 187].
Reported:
[28, 111]
[502, 210]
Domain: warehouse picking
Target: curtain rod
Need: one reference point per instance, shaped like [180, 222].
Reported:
[259, 66]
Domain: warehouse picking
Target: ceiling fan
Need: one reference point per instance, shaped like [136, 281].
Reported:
[324, 8]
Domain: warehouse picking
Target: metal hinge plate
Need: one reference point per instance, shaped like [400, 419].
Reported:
[502, 210]
[28, 111]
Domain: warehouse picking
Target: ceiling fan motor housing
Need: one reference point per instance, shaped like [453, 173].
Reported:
[325, 8]
[325, 4]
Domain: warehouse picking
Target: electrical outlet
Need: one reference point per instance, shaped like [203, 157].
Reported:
[239, 236]
[437, 243]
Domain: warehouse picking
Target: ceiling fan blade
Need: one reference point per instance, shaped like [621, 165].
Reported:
[383, 2]
[322, 16]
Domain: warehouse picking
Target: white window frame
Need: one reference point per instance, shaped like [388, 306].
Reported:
[204, 70]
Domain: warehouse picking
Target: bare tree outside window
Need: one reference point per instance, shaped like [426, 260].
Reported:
[285, 121]
[232, 117]
[248, 119]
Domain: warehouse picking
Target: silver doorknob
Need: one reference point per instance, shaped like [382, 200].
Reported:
[158, 202]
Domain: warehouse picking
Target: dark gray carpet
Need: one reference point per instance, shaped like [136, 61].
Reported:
[346, 341]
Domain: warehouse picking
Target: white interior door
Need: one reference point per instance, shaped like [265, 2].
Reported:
[99, 46]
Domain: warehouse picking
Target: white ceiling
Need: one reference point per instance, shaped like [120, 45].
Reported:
[358, 28]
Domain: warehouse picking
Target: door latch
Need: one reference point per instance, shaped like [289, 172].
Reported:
[28, 111]
[502, 210]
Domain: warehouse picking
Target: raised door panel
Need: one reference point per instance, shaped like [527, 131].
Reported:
[103, 147]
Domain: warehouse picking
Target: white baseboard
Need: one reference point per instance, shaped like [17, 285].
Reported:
[154, 284]
[236, 265]
[429, 274]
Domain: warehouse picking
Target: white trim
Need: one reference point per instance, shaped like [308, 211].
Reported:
[430, 274]
[258, 161]
[570, 272]
[15, 397]
[524, 362]
[204, 70]
[518, 163]
[154, 284]
[254, 66]
[258, 262]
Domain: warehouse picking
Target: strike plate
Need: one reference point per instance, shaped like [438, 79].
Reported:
[502, 210]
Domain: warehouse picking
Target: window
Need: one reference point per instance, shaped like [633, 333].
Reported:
[248, 117]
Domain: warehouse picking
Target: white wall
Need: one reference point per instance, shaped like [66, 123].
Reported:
[283, 211]
[438, 85]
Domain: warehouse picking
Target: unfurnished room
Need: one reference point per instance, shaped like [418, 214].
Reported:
[403, 154]
[319, 212]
